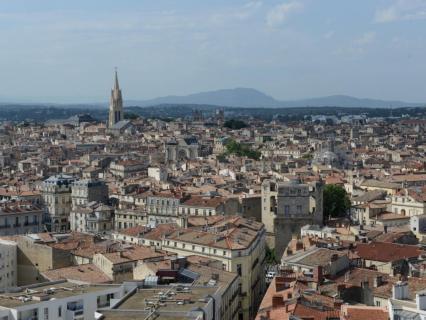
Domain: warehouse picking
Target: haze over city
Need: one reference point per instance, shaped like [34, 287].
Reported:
[66, 51]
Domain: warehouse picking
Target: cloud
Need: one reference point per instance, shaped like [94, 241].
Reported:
[366, 39]
[402, 10]
[280, 13]
[241, 13]
[358, 46]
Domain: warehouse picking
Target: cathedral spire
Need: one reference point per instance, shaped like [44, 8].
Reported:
[116, 103]
[116, 86]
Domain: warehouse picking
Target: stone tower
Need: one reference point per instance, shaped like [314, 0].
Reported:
[289, 205]
[115, 104]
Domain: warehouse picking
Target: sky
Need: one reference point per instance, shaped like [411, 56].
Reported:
[66, 51]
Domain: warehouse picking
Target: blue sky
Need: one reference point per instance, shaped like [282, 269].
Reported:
[63, 51]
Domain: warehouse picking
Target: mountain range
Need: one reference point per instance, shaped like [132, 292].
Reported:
[238, 97]
[251, 98]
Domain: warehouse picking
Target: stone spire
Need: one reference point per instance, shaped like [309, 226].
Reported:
[116, 86]
[115, 104]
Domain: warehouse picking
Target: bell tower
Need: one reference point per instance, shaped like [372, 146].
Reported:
[115, 104]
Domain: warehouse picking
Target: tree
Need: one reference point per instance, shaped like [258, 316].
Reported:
[270, 256]
[130, 116]
[336, 201]
[235, 124]
[241, 150]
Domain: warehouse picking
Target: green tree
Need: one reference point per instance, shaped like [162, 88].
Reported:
[241, 150]
[271, 257]
[336, 201]
[234, 124]
[130, 116]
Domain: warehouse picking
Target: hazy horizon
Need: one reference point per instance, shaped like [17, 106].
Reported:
[66, 51]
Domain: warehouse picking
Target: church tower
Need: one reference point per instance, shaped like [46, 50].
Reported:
[115, 104]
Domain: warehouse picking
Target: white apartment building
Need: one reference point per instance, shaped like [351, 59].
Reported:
[8, 264]
[401, 307]
[61, 300]
[94, 217]
[410, 203]
[57, 198]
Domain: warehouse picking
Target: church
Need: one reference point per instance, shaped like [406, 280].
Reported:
[116, 123]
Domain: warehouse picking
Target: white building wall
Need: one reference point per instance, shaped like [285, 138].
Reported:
[8, 264]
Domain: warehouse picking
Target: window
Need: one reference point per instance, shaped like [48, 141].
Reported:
[299, 209]
[60, 312]
[286, 210]
[239, 269]
[46, 313]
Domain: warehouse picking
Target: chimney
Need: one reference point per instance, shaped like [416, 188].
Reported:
[318, 276]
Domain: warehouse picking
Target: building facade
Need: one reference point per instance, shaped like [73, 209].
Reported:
[8, 264]
[93, 217]
[57, 198]
[86, 190]
[288, 206]
[20, 218]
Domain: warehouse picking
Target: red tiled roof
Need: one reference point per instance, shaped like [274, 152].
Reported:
[386, 252]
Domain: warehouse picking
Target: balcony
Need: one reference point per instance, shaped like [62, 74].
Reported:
[34, 223]
[5, 226]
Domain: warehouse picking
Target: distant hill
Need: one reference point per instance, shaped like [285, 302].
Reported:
[239, 97]
[251, 98]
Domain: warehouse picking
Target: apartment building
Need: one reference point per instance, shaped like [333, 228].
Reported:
[208, 205]
[163, 207]
[127, 218]
[87, 190]
[239, 244]
[20, 218]
[126, 168]
[409, 202]
[8, 264]
[93, 217]
[56, 192]
[60, 300]
[119, 265]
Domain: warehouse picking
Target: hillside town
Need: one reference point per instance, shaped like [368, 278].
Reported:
[209, 217]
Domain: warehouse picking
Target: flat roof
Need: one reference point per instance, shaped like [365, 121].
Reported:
[38, 294]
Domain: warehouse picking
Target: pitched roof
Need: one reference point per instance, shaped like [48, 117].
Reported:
[386, 252]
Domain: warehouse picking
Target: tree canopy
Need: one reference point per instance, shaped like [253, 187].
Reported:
[235, 124]
[241, 150]
[336, 201]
